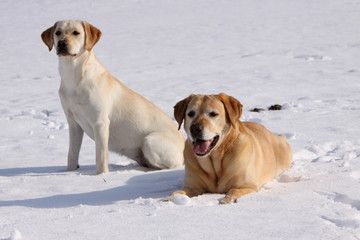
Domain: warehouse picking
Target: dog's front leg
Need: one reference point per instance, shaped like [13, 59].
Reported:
[101, 135]
[76, 135]
[234, 194]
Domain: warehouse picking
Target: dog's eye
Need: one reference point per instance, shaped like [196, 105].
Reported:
[213, 114]
[58, 33]
[191, 114]
[76, 33]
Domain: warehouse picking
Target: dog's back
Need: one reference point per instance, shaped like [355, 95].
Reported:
[277, 144]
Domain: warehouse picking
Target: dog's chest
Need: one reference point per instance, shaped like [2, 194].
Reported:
[214, 174]
[74, 95]
[221, 173]
[78, 106]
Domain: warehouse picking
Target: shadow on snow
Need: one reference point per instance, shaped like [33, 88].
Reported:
[152, 184]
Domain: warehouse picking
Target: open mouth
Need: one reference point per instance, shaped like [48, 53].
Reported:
[203, 147]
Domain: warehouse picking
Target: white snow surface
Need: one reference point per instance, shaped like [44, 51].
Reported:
[304, 55]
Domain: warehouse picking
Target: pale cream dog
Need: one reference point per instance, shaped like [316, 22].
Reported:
[96, 103]
[224, 155]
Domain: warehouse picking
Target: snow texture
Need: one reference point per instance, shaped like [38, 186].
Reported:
[303, 55]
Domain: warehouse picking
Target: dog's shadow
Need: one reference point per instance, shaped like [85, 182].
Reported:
[150, 184]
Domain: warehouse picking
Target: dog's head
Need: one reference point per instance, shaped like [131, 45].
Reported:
[71, 37]
[208, 119]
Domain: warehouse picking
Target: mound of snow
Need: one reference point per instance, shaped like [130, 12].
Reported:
[181, 199]
[15, 235]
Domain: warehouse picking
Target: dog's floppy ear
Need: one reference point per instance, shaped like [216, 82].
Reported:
[232, 106]
[180, 109]
[92, 35]
[48, 37]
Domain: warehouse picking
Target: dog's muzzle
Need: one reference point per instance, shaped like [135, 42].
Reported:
[62, 47]
[201, 147]
[196, 131]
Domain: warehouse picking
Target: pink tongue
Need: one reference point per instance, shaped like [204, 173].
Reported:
[201, 147]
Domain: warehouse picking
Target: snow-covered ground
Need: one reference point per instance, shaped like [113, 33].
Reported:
[304, 55]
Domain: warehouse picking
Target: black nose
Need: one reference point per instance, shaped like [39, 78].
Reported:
[196, 130]
[62, 44]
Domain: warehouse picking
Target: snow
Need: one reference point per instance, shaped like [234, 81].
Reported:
[303, 55]
[16, 235]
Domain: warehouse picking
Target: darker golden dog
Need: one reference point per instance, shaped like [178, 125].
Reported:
[223, 154]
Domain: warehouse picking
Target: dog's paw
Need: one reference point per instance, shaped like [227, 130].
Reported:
[168, 199]
[227, 199]
[73, 167]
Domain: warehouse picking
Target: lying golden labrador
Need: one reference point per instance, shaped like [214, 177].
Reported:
[96, 103]
[224, 155]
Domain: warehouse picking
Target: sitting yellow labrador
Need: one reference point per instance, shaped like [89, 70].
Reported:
[105, 109]
[223, 154]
